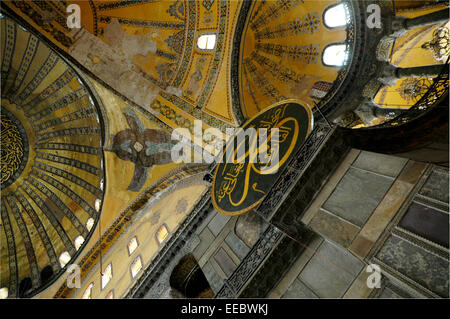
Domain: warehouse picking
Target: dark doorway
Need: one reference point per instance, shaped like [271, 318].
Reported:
[188, 278]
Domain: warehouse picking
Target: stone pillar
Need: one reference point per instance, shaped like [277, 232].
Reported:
[400, 25]
[391, 73]
[427, 19]
[419, 71]
[369, 111]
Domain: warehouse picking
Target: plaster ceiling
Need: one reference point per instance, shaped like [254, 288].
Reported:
[52, 162]
[281, 53]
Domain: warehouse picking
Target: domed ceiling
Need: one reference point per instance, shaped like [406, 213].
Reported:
[282, 50]
[158, 39]
[52, 172]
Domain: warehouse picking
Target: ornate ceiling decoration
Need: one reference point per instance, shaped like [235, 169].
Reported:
[281, 53]
[52, 176]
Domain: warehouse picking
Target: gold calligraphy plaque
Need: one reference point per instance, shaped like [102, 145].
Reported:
[257, 153]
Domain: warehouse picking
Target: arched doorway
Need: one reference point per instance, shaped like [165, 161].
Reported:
[188, 279]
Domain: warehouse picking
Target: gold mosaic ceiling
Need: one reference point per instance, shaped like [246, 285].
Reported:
[52, 162]
[281, 53]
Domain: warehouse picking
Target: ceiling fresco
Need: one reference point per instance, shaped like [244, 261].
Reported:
[71, 149]
[409, 51]
[281, 52]
[159, 39]
[168, 209]
[52, 162]
[86, 161]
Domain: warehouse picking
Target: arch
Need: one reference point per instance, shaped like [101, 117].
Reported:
[337, 48]
[333, 11]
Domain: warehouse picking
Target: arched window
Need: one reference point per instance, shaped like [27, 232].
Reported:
[89, 224]
[161, 234]
[88, 292]
[78, 242]
[206, 42]
[335, 55]
[64, 258]
[336, 16]
[110, 295]
[97, 204]
[3, 293]
[136, 266]
[107, 275]
[132, 245]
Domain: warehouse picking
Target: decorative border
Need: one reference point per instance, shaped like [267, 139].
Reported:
[268, 240]
[235, 56]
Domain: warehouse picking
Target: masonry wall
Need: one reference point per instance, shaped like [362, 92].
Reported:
[375, 209]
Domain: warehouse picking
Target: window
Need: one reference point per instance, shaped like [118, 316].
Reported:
[136, 266]
[78, 242]
[97, 204]
[107, 275]
[3, 293]
[64, 258]
[89, 224]
[132, 245]
[336, 16]
[335, 55]
[87, 293]
[110, 295]
[206, 42]
[162, 234]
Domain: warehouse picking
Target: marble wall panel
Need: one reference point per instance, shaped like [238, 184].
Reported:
[425, 268]
[357, 195]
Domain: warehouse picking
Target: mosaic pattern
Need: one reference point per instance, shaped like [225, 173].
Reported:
[143, 23]
[219, 50]
[273, 12]
[304, 53]
[32, 10]
[307, 24]
[189, 44]
[121, 4]
[208, 4]
[176, 42]
[267, 89]
[14, 148]
[52, 175]
[144, 147]
[284, 40]
[177, 10]
[283, 74]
